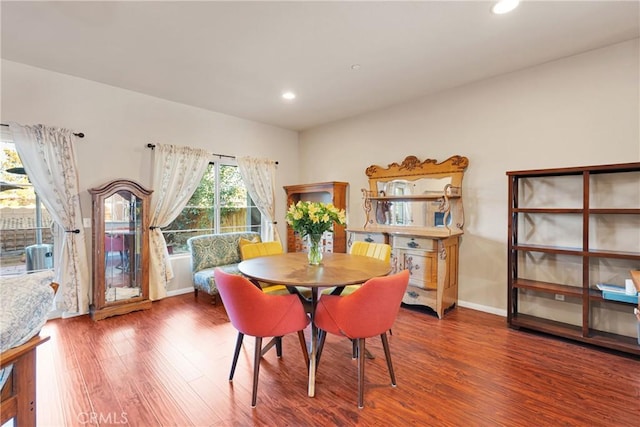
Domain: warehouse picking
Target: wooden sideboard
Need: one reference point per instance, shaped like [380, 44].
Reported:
[417, 209]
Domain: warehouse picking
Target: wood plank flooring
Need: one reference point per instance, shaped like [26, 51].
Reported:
[168, 366]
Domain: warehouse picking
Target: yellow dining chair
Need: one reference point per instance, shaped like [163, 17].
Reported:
[381, 251]
[255, 250]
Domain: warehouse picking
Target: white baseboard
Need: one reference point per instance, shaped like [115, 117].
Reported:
[484, 308]
[181, 291]
[466, 304]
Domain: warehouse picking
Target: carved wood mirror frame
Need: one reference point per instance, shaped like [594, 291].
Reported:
[411, 170]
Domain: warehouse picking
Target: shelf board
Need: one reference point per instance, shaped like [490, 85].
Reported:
[552, 288]
[550, 210]
[596, 169]
[592, 211]
[599, 253]
[431, 195]
[547, 326]
[403, 230]
[596, 295]
[615, 211]
[594, 253]
[549, 249]
[599, 338]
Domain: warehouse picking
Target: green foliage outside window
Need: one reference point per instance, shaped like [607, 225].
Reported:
[236, 211]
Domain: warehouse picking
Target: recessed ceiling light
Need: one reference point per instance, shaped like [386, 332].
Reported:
[289, 96]
[355, 67]
[504, 6]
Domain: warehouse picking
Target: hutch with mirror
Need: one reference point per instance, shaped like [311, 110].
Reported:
[416, 207]
[120, 249]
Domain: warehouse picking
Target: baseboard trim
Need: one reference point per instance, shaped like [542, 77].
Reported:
[466, 304]
[484, 308]
[181, 291]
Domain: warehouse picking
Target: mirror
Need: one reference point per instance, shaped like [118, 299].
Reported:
[414, 193]
[120, 249]
[404, 187]
[423, 213]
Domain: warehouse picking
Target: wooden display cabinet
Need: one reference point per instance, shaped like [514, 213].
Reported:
[326, 192]
[120, 249]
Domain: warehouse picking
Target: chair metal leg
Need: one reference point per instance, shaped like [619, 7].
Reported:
[361, 357]
[235, 355]
[278, 347]
[322, 335]
[354, 344]
[256, 371]
[387, 355]
[305, 350]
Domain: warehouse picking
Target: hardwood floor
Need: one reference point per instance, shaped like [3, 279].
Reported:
[168, 366]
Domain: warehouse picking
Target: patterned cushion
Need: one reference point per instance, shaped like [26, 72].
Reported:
[204, 281]
[215, 250]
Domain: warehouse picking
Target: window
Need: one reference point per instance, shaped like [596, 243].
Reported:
[26, 241]
[220, 204]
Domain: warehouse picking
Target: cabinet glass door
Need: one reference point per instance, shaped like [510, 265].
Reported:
[122, 237]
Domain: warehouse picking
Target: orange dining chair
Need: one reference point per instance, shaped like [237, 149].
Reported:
[381, 251]
[367, 312]
[255, 313]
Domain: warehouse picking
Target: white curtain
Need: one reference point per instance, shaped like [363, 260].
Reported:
[259, 176]
[49, 159]
[177, 171]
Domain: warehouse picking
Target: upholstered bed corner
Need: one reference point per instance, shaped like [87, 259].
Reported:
[26, 301]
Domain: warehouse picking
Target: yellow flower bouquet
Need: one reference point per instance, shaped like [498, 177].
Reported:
[312, 219]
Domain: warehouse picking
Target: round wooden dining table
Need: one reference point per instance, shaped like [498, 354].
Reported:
[293, 269]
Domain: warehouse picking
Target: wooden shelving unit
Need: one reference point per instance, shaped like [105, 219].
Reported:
[326, 192]
[523, 214]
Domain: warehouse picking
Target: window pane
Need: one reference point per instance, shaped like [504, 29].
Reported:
[198, 217]
[21, 225]
[235, 211]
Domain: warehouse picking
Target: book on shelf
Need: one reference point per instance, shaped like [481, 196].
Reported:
[605, 287]
[616, 293]
[622, 297]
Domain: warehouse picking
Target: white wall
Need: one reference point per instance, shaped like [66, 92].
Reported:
[576, 111]
[581, 110]
[118, 125]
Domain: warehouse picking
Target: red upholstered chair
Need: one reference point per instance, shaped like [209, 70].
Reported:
[367, 312]
[255, 313]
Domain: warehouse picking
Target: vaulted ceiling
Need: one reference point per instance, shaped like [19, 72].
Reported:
[340, 58]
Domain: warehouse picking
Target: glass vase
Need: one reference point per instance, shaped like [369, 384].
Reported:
[315, 250]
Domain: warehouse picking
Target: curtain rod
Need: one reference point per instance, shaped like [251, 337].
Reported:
[152, 146]
[78, 134]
